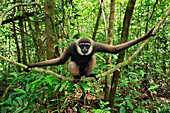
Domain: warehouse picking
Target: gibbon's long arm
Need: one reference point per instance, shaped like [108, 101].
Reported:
[100, 47]
[56, 61]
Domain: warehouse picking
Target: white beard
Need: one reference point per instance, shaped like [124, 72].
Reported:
[79, 51]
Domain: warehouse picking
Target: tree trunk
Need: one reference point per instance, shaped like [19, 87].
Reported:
[16, 40]
[34, 40]
[124, 37]
[110, 42]
[147, 46]
[21, 26]
[98, 20]
[51, 37]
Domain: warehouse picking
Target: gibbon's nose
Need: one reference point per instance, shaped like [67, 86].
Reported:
[84, 50]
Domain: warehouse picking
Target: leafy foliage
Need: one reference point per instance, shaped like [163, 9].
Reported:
[38, 92]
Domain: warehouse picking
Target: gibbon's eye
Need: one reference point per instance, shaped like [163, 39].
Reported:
[84, 47]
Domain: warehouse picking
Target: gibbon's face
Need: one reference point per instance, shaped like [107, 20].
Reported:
[84, 48]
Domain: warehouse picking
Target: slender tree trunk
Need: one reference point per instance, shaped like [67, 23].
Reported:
[21, 26]
[26, 35]
[124, 37]
[147, 46]
[120, 20]
[98, 20]
[22, 41]
[40, 50]
[165, 47]
[110, 42]
[16, 40]
[104, 22]
[34, 40]
[147, 59]
[63, 19]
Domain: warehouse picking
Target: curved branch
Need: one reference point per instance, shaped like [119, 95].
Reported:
[20, 4]
[37, 69]
[137, 51]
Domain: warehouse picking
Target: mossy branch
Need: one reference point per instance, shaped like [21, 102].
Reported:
[37, 69]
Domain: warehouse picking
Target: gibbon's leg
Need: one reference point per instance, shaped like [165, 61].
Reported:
[90, 67]
[73, 68]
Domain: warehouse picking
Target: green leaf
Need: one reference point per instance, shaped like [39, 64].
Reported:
[15, 103]
[82, 111]
[142, 72]
[136, 84]
[105, 103]
[48, 81]
[118, 98]
[19, 90]
[100, 57]
[62, 86]
[27, 111]
[14, 74]
[15, 93]
[8, 101]
[2, 103]
[140, 78]
[32, 88]
[138, 110]
[129, 104]
[70, 86]
[56, 87]
[54, 100]
[86, 87]
[33, 98]
[153, 87]
[117, 105]
[25, 103]
[122, 109]
[127, 97]
[106, 110]
[56, 82]
[36, 80]
[19, 101]
[10, 78]
[18, 110]
[50, 91]
[96, 111]
[27, 87]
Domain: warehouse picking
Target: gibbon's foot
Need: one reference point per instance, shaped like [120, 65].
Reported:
[77, 78]
[27, 69]
[92, 75]
[150, 32]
